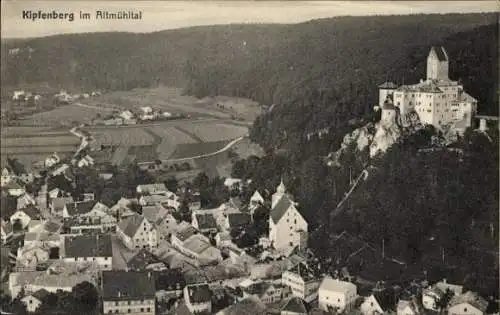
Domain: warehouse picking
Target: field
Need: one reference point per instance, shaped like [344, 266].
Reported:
[215, 132]
[63, 116]
[30, 145]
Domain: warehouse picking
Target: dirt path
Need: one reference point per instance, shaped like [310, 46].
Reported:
[192, 135]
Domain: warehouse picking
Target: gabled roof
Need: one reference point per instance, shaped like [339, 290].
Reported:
[153, 213]
[206, 221]
[88, 246]
[294, 305]
[199, 293]
[471, 298]
[387, 85]
[186, 233]
[248, 306]
[303, 271]
[386, 299]
[171, 279]
[281, 208]
[128, 285]
[440, 53]
[59, 202]
[140, 260]
[32, 211]
[336, 285]
[131, 224]
[239, 219]
[6, 226]
[82, 207]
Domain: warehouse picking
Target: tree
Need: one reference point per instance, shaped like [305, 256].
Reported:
[172, 184]
[85, 296]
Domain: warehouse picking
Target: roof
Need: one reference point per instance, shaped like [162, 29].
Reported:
[471, 298]
[152, 188]
[153, 213]
[386, 299]
[197, 244]
[82, 207]
[336, 285]
[239, 219]
[387, 85]
[257, 288]
[186, 233]
[140, 260]
[40, 294]
[248, 306]
[199, 293]
[303, 271]
[52, 226]
[412, 304]
[153, 199]
[280, 208]
[129, 225]
[127, 285]
[440, 53]
[88, 246]
[444, 285]
[206, 221]
[235, 202]
[169, 280]
[59, 202]
[32, 211]
[294, 305]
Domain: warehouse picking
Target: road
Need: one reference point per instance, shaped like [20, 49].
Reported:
[228, 146]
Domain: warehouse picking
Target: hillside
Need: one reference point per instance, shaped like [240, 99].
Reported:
[340, 59]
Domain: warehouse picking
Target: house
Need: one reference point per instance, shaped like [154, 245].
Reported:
[194, 201]
[25, 200]
[56, 205]
[445, 286]
[167, 200]
[469, 303]
[431, 297]
[56, 193]
[59, 276]
[169, 283]
[61, 170]
[237, 220]
[232, 182]
[287, 227]
[14, 188]
[6, 231]
[381, 301]
[29, 257]
[409, 307]
[142, 260]
[52, 160]
[125, 292]
[265, 291]
[302, 281]
[199, 248]
[34, 300]
[42, 238]
[336, 294]
[24, 216]
[18, 96]
[126, 115]
[89, 215]
[147, 110]
[294, 306]
[136, 232]
[205, 223]
[95, 249]
[182, 235]
[152, 189]
[166, 226]
[256, 200]
[198, 298]
[7, 176]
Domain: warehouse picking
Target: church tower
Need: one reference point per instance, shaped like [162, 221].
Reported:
[280, 192]
[437, 64]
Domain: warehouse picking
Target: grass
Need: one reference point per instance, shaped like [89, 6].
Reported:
[63, 116]
[193, 149]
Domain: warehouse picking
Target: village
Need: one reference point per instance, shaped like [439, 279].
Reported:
[143, 257]
[158, 251]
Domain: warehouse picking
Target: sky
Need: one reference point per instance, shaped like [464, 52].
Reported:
[161, 15]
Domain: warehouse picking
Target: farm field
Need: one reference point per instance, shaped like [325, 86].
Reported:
[63, 116]
[186, 150]
[215, 132]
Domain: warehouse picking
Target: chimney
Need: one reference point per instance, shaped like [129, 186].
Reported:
[119, 293]
[149, 275]
[444, 280]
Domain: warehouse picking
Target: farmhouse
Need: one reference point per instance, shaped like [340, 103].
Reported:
[124, 292]
[136, 232]
[95, 249]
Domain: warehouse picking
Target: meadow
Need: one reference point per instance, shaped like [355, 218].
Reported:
[65, 115]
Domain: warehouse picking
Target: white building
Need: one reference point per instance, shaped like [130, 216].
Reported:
[152, 189]
[34, 300]
[469, 303]
[25, 215]
[136, 232]
[287, 227]
[198, 298]
[438, 100]
[86, 249]
[336, 294]
[408, 307]
[302, 281]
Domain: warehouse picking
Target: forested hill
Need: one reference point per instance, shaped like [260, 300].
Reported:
[333, 63]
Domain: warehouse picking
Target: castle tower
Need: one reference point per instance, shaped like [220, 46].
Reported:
[437, 64]
[384, 90]
[280, 192]
[388, 112]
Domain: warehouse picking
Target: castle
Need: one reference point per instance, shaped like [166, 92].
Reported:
[437, 101]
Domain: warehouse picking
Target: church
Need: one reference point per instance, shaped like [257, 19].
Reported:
[437, 101]
[287, 227]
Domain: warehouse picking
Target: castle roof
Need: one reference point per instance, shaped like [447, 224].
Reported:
[281, 208]
[440, 53]
[387, 85]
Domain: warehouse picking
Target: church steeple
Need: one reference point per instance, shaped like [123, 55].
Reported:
[281, 187]
[280, 192]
